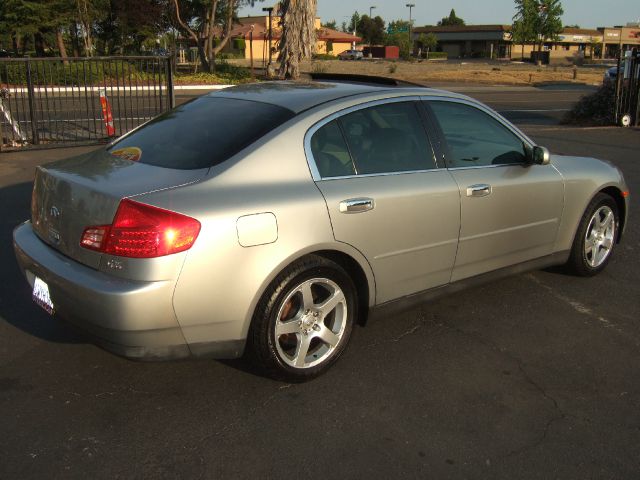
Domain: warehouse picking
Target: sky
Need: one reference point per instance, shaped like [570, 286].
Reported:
[586, 13]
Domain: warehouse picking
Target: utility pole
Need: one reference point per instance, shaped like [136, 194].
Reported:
[269, 67]
[410, 5]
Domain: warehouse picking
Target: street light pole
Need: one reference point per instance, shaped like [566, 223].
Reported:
[370, 39]
[410, 5]
[269, 9]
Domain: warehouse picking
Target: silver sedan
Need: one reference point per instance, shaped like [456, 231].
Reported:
[269, 219]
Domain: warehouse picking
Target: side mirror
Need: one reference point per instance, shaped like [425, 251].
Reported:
[541, 156]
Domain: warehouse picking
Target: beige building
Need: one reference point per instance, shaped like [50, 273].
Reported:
[571, 45]
[254, 31]
[616, 38]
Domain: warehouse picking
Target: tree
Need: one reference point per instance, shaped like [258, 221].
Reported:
[524, 28]
[298, 40]
[353, 23]
[451, 20]
[549, 20]
[537, 21]
[332, 25]
[428, 42]
[200, 19]
[371, 29]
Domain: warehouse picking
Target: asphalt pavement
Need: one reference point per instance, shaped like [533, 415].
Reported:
[535, 376]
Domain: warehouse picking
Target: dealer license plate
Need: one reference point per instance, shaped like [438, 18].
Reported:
[41, 295]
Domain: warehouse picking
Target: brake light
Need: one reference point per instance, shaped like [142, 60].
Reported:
[142, 231]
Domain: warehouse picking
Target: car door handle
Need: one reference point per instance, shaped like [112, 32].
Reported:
[356, 205]
[478, 190]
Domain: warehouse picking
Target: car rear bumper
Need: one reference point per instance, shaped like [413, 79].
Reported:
[129, 318]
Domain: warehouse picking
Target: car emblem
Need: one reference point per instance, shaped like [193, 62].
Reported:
[54, 236]
[54, 212]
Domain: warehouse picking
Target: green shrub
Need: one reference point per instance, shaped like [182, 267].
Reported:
[239, 43]
[76, 73]
[324, 56]
[438, 55]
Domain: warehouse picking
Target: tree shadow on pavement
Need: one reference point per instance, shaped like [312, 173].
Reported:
[16, 306]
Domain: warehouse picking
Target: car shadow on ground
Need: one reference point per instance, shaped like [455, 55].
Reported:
[16, 306]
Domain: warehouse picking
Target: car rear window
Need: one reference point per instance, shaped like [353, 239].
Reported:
[201, 133]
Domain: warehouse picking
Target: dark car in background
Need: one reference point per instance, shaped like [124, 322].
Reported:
[611, 75]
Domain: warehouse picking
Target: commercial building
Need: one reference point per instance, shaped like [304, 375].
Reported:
[619, 38]
[494, 41]
[470, 41]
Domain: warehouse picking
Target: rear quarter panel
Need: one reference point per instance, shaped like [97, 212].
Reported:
[221, 281]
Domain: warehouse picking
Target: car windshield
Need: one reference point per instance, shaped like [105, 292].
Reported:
[201, 133]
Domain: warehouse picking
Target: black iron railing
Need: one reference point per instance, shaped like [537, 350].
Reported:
[55, 101]
[627, 109]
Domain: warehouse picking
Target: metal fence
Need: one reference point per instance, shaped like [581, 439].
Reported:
[627, 109]
[55, 101]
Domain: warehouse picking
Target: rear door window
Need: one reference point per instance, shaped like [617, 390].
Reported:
[388, 138]
[201, 133]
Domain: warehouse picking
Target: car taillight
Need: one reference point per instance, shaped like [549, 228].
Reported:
[142, 231]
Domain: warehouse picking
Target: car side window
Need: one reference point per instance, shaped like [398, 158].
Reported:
[330, 152]
[387, 138]
[475, 138]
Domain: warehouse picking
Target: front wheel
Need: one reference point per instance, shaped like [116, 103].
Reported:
[304, 320]
[595, 238]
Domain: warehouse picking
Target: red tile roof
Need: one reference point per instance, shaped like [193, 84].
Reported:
[260, 31]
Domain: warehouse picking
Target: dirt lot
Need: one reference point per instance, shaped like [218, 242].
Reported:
[472, 71]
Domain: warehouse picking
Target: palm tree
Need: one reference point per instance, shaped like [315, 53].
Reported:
[298, 39]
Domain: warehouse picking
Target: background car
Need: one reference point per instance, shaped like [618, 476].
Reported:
[302, 209]
[351, 55]
[611, 74]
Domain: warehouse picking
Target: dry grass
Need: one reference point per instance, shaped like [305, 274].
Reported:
[472, 72]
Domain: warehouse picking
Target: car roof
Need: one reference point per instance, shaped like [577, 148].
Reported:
[299, 96]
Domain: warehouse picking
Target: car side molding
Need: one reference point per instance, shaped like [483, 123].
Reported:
[403, 304]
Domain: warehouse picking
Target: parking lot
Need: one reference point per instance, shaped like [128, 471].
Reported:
[535, 376]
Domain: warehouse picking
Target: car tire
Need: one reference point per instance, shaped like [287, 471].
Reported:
[304, 320]
[595, 238]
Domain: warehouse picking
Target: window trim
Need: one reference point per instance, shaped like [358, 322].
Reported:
[446, 152]
[315, 173]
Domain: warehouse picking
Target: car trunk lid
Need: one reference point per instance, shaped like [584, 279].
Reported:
[70, 195]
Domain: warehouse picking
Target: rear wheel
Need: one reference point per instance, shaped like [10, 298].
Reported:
[595, 238]
[304, 321]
